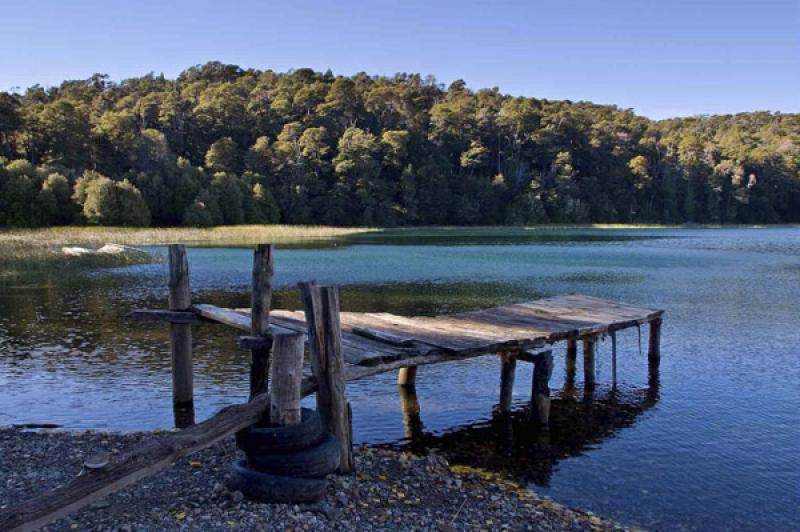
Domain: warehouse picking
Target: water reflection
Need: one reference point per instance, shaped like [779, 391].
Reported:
[515, 445]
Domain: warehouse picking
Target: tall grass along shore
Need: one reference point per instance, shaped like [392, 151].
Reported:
[27, 250]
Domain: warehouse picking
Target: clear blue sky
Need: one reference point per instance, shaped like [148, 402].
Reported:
[661, 57]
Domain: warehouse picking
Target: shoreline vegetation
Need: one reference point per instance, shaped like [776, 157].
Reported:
[34, 250]
[390, 490]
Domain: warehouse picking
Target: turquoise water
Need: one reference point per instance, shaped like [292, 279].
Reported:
[714, 445]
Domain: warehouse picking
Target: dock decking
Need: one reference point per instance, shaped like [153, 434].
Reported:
[371, 339]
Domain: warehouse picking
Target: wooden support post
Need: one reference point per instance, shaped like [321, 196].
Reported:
[285, 376]
[540, 388]
[260, 302]
[571, 363]
[407, 376]
[180, 299]
[654, 349]
[614, 358]
[321, 304]
[508, 366]
[409, 405]
[588, 361]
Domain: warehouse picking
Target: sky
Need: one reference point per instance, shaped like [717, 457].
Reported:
[663, 58]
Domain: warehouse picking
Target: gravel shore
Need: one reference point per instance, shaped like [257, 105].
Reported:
[391, 490]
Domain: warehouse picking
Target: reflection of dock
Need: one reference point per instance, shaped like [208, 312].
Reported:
[510, 444]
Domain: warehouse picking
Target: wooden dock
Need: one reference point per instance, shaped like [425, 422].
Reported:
[342, 347]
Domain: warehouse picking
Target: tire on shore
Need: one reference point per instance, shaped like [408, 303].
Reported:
[312, 462]
[258, 440]
[266, 487]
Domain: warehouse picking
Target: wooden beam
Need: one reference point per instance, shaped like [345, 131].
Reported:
[327, 363]
[180, 299]
[261, 299]
[172, 316]
[508, 366]
[285, 376]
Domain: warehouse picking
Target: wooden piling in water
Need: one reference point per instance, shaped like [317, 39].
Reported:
[614, 358]
[508, 366]
[540, 387]
[285, 376]
[260, 302]
[409, 406]
[180, 299]
[321, 304]
[588, 361]
[407, 376]
[654, 347]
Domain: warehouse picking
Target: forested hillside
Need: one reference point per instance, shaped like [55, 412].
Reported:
[222, 145]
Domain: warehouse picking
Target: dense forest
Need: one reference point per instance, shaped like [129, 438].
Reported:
[223, 145]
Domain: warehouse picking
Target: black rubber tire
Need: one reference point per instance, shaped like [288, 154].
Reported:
[314, 462]
[265, 487]
[266, 440]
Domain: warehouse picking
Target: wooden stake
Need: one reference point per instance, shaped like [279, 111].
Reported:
[614, 358]
[261, 299]
[407, 376]
[588, 361]
[508, 366]
[180, 299]
[285, 376]
[654, 349]
[409, 405]
[540, 388]
[327, 362]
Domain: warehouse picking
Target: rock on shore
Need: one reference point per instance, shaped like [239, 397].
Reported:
[391, 491]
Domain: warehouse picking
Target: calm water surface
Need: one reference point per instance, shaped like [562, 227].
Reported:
[714, 443]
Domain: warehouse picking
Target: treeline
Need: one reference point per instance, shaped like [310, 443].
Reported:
[223, 145]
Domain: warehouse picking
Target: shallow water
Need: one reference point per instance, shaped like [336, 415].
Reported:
[714, 445]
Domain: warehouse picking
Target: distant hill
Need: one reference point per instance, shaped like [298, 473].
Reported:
[223, 145]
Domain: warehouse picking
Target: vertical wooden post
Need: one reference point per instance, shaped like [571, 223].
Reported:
[508, 366]
[409, 405]
[588, 361]
[654, 349]
[285, 376]
[540, 388]
[407, 376]
[571, 363]
[321, 305]
[261, 299]
[180, 335]
[614, 358]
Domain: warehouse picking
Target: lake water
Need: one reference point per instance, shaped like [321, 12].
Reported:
[714, 443]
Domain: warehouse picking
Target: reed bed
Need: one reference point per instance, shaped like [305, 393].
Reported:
[26, 250]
